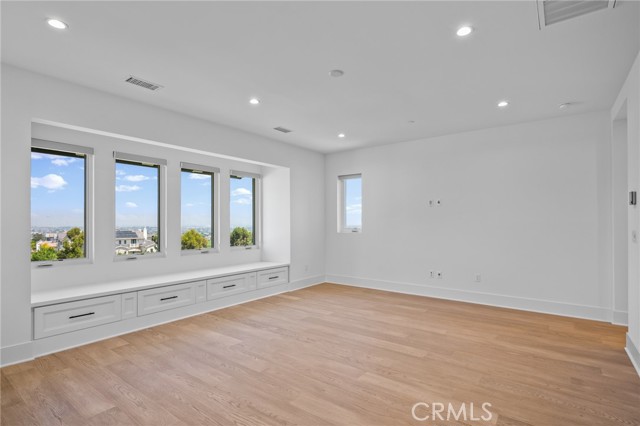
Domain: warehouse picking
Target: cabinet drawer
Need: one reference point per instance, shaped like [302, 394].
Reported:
[273, 277]
[65, 317]
[233, 284]
[163, 298]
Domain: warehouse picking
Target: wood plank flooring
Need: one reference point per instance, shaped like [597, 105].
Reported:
[336, 355]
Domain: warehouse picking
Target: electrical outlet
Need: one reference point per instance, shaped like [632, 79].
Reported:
[439, 275]
[438, 203]
[478, 278]
[432, 274]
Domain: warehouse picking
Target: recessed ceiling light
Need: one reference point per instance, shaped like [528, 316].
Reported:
[565, 105]
[503, 104]
[56, 23]
[254, 101]
[464, 31]
[341, 135]
[336, 73]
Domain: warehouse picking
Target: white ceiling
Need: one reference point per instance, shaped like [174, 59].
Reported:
[402, 62]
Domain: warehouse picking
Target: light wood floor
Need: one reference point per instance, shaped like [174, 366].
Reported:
[335, 355]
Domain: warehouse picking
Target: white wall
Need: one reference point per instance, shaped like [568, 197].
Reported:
[527, 206]
[27, 96]
[629, 97]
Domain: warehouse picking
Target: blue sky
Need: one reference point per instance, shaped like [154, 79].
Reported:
[136, 196]
[242, 202]
[196, 200]
[353, 202]
[57, 190]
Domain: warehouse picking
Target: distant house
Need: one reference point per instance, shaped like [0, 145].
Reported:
[130, 242]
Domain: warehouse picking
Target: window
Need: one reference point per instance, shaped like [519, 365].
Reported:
[138, 219]
[243, 209]
[350, 203]
[197, 207]
[59, 201]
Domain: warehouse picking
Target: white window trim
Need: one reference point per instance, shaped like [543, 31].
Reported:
[342, 203]
[162, 203]
[257, 233]
[215, 211]
[88, 202]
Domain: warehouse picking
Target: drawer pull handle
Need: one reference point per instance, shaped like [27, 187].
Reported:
[274, 277]
[228, 286]
[82, 315]
[168, 298]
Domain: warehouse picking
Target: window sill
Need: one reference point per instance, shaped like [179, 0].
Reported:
[244, 248]
[46, 264]
[135, 257]
[195, 252]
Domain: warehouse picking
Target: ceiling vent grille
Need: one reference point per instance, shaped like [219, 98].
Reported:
[143, 83]
[554, 11]
[282, 129]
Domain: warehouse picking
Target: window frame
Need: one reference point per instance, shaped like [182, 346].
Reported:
[342, 204]
[78, 151]
[257, 208]
[161, 164]
[214, 172]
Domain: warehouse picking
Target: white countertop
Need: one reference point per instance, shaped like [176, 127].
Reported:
[67, 294]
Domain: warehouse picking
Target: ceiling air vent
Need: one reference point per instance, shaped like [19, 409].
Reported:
[142, 83]
[282, 129]
[554, 11]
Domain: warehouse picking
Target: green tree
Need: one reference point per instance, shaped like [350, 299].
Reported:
[45, 253]
[193, 240]
[73, 246]
[241, 237]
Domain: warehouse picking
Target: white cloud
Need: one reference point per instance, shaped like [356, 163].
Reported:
[354, 208]
[36, 156]
[197, 176]
[130, 204]
[136, 178]
[189, 205]
[59, 161]
[120, 173]
[242, 201]
[240, 191]
[127, 188]
[51, 182]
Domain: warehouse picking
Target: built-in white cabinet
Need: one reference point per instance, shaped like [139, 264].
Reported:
[72, 316]
[59, 318]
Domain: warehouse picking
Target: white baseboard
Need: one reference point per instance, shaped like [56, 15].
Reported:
[16, 354]
[306, 282]
[634, 354]
[524, 304]
[620, 318]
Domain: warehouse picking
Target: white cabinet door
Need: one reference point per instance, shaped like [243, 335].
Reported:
[272, 277]
[71, 316]
[233, 284]
[163, 298]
